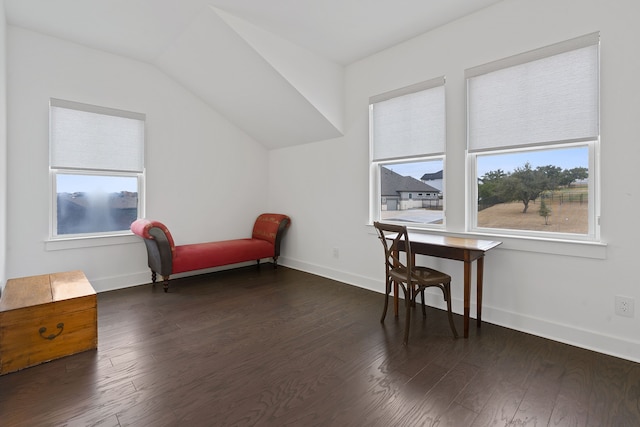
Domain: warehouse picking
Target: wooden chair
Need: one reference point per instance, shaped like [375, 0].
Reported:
[413, 279]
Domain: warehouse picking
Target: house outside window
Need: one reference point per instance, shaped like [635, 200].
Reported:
[533, 142]
[407, 140]
[97, 169]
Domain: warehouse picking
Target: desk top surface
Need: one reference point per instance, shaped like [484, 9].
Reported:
[453, 242]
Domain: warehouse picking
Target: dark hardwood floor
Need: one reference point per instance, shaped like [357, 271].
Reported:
[267, 347]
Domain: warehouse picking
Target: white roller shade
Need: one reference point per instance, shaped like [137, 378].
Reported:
[409, 122]
[89, 137]
[541, 101]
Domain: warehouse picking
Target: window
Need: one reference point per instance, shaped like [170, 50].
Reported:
[96, 164]
[407, 139]
[533, 140]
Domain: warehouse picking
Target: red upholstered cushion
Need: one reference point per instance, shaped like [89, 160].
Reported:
[213, 254]
[266, 226]
[141, 228]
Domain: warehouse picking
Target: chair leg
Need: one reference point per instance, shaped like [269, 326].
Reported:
[447, 296]
[424, 310]
[407, 320]
[386, 301]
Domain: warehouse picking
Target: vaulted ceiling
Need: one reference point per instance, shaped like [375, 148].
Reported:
[274, 68]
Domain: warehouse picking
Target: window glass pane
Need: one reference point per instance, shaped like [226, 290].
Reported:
[544, 190]
[412, 192]
[95, 203]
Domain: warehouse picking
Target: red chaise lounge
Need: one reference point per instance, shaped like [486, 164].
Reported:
[165, 258]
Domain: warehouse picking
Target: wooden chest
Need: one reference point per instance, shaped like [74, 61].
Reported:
[46, 317]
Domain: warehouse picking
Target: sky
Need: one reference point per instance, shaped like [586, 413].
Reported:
[416, 169]
[565, 158]
[71, 183]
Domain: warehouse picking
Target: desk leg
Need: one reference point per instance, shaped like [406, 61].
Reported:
[479, 273]
[467, 296]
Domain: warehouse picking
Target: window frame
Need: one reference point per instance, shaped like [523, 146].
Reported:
[431, 153]
[53, 217]
[376, 193]
[592, 191]
[593, 144]
[57, 241]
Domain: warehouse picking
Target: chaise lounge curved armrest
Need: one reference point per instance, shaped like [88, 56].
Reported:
[165, 258]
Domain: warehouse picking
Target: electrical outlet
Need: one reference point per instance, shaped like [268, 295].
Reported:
[336, 253]
[625, 306]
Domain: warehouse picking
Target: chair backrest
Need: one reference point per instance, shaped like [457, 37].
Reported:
[395, 239]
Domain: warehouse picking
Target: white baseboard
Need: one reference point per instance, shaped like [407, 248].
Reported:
[567, 334]
[111, 283]
[329, 273]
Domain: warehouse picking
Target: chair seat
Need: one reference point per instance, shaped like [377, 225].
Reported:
[425, 276]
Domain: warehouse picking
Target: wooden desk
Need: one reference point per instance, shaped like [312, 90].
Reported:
[460, 249]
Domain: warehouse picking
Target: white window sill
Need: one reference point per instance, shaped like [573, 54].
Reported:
[573, 248]
[89, 242]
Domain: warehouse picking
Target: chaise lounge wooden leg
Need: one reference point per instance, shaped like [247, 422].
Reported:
[154, 277]
[165, 283]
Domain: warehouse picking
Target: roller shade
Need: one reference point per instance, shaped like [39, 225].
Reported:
[550, 95]
[89, 137]
[409, 122]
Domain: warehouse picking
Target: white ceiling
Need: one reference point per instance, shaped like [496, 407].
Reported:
[338, 31]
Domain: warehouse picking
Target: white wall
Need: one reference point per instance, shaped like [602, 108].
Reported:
[206, 180]
[529, 287]
[3, 146]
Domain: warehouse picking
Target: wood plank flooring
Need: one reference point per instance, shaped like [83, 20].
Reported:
[280, 347]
